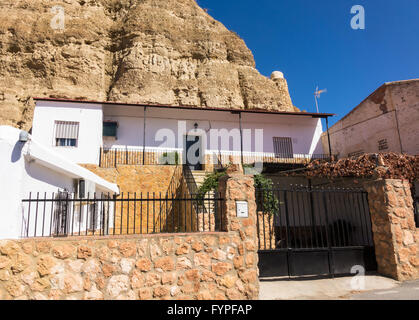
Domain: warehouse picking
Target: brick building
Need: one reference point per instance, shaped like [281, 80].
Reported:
[386, 121]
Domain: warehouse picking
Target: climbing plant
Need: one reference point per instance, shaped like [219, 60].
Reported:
[210, 183]
[267, 199]
[263, 185]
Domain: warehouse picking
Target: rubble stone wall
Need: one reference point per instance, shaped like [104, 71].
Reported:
[207, 265]
[266, 231]
[396, 237]
[137, 178]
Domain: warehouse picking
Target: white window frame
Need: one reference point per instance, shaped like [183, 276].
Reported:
[70, 134]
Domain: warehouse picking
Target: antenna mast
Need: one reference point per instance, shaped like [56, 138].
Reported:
[317, 94]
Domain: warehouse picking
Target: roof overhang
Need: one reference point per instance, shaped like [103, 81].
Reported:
[234, 111]
[35, 151]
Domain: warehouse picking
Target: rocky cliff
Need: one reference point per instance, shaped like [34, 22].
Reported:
[146, 51]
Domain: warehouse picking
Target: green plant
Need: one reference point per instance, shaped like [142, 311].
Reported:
[169, 158]
[264, 186]
[210, 183]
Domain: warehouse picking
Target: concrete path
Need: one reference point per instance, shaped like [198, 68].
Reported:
[405, 291]
[327, 289]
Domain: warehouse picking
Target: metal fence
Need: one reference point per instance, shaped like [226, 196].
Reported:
[313, 218]
[64, 214]
[307, 231]
[224, 158]
[416, 210]
[110, 158]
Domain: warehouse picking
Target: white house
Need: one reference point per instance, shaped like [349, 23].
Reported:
[107, 133]
[47, 190]
[29, 169]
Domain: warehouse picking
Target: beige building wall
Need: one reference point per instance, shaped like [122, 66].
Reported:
[386, 121]
[405, 98]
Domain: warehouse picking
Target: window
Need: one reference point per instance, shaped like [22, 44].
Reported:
[66, 134]
[382, 145]
[110, 128]
[283, 147]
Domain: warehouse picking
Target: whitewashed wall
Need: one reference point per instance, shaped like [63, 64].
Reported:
[11, 179]
[31, 168]
[90, 130]
[19, 177]
[305, 131]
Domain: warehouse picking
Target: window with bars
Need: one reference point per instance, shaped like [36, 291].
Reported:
[382, 144]
[66, 133]
[283, 147]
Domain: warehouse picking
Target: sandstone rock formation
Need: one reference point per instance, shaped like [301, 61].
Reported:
[146, 51]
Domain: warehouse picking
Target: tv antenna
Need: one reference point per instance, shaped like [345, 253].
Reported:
[317, 94]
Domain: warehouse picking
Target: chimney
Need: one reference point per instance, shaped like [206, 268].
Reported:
[278, 78]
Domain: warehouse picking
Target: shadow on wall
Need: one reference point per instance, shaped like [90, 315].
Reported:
[46, 176]
[319, 148]
[17, 151]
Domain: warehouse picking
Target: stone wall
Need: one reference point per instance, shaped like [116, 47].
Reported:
[137, 178]
[152, 181]
[266, 231]
[396, 237]
[199, 266]
[206, 265]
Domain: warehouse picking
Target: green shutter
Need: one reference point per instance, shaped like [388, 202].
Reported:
[109, 129]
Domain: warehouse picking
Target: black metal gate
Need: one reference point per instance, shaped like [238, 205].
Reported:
[313, 231]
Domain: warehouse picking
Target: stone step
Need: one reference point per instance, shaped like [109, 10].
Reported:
[199, 177]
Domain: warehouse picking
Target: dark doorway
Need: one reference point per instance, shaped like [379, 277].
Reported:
[61, 213]
[193, 152]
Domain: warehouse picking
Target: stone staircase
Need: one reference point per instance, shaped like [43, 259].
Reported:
[199, 177]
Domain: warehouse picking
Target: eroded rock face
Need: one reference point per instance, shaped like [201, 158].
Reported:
[145, 51]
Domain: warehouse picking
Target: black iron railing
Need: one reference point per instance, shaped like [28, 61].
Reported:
[63, 214]
[110, 158]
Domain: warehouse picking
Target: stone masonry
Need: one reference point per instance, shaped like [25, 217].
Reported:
[396, 237]
[151, 181]
[137, 178]
[266, 231]
[208, 265]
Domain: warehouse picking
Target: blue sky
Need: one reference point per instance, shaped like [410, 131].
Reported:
[312, 43]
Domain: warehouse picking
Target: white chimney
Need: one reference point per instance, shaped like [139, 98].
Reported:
[277, 75]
